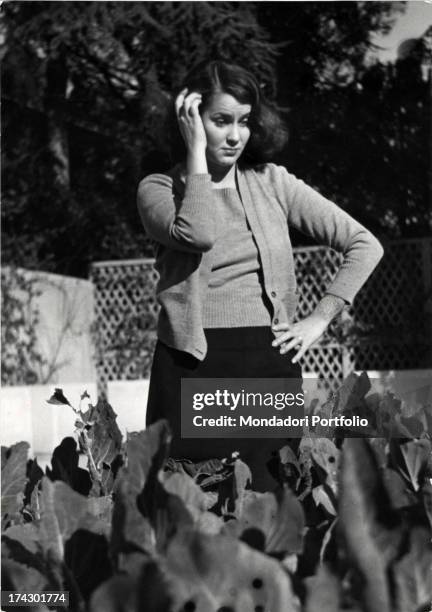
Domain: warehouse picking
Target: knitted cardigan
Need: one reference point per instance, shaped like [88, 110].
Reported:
[182, 219]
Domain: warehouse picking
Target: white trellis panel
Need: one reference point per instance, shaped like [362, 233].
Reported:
[390, 321]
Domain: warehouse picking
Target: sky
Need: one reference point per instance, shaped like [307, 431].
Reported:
[412, 24]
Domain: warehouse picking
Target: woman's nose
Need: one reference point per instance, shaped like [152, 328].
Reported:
[233, 134]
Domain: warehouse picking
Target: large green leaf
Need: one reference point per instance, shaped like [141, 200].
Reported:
[21, 578]
[13, 480]
[415, 454]
[413, 574]
[279, 518]
[323, 592]
[166, 512]
[399, 492]
[169, 512]
[120, 594]
[326, 455]
[194, 499]
[351, 393]
[216, 571]
[63, 511]
[49, 546]
[20, 545]
[427, 499]
[386, 412]
[65, 467]
[322, 497]
[367, 523]
[184, 487]
[146, 453]
[87, 560]
[27, 534]
[415, 421]
[34, 475]
[202, 573]
[289, 467]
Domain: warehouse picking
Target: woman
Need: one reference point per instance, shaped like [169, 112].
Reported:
[227, 286]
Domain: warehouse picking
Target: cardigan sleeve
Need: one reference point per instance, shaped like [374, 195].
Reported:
[316, 216]
[186, 223]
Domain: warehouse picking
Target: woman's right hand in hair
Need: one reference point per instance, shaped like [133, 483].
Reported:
[190, 122]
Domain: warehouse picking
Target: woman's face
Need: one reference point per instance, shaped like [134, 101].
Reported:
[226, 124]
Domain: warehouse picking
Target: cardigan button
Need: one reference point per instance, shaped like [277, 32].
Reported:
[273, 294]
[276, 321]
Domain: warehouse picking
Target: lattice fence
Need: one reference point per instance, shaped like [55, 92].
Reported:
[126, 316]
[388, 327]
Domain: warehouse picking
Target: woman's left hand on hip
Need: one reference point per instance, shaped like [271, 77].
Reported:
[300, 335]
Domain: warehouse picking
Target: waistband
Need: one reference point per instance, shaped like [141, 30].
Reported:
[239, 337]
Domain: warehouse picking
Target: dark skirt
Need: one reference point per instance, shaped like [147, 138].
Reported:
[243, 352]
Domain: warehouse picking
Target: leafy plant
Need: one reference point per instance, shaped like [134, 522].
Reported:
[347, 528]
[20, 356]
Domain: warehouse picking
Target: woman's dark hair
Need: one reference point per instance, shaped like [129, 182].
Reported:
[268, 133]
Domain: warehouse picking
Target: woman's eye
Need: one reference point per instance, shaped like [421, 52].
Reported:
[219, 122]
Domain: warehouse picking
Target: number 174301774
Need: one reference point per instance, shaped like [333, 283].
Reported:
[18, 598]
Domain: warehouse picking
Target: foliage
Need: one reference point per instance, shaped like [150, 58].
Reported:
[326, 47]
[86, 87]
[26, 300]
[98, 77]
[385, 114]
[346, 528]
[21, 359]
[359, 129]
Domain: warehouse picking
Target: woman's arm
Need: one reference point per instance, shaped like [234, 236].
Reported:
[192, 130]
[314, 215]
[306, 332]
[186, 224]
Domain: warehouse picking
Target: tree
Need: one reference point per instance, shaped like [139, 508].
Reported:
[86, 86]
[358, 129]
[96, 79]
